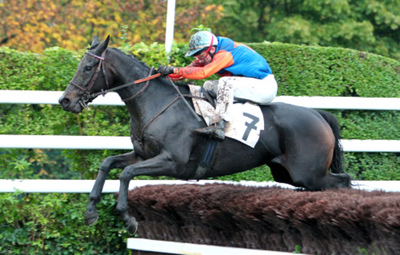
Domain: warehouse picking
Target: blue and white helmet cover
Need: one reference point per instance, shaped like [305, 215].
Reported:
[199, 41]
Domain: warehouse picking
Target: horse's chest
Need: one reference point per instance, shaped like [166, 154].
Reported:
[147, 148]
[146, 144]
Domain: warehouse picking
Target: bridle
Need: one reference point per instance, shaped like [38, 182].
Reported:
[88, 96]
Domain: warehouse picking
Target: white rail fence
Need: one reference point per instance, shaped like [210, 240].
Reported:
[167, 247]
[351, 103]
[123, 143]
[112, 186]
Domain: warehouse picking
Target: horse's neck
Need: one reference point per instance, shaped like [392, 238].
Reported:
[141, 106]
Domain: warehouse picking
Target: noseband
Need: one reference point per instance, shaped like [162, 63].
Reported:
[88, 96]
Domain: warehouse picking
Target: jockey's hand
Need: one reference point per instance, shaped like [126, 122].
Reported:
[165, 70]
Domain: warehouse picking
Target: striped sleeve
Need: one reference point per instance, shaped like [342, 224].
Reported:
[221, 60]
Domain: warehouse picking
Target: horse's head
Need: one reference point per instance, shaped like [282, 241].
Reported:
[86, 82]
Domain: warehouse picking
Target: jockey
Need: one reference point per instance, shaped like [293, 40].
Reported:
[245, 75]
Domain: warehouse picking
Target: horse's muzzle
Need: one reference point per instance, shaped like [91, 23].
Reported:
[70, 105]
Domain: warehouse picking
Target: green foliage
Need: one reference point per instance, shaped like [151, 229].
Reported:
[26, 71]
[373, 166]
[199, 28]
[369, 124]
[31, 25]
[300, 70]
[154, 55]
[364, 25]
[327, 71]
[53, 223]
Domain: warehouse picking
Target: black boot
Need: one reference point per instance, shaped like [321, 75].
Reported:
[216, 131]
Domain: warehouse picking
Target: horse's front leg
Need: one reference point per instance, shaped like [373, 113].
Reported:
[157, 166]
[120, 162]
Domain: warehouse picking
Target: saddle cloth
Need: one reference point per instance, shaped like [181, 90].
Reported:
[246, 120]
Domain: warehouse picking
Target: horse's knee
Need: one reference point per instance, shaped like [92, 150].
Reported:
[106, 165]
[125, 176]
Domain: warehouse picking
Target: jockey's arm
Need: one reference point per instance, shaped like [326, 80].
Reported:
[221, 60]
[177, 77]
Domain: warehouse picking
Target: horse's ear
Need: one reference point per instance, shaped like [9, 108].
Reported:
[103, 46]
[95, 41]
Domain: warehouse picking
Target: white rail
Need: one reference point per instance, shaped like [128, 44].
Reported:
[112, 186]
[66, 142]
[49, 97]
[167, 247]
[124, 143]
[352, 103]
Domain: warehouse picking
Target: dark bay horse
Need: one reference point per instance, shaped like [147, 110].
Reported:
[300, 145]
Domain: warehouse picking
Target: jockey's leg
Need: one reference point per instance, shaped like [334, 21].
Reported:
[211, 87]
[255, 90]
[224, 100]
[240, 89]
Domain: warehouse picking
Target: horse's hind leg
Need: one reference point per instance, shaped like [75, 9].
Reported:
[335, 181]
[310, 169]
[315, 178]
[120, 161]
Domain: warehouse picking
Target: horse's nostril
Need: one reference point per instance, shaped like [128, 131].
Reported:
[64, 101]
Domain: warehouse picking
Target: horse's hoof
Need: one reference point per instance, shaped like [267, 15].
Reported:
[132, 226]
[91, 218]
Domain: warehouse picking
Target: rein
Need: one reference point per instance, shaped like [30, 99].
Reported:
[87, 97]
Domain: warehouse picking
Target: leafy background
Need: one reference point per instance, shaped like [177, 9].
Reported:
[48, 223]
[43, 42]
[366, 25]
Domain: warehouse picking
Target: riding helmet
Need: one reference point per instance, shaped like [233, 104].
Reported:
[201, 40]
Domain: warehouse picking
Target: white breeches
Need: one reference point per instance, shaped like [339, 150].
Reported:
[232, 88]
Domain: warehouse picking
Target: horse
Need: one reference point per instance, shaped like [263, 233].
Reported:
[301, 146]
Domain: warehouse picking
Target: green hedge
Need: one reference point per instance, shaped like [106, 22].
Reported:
[327, 71]
[53, 223]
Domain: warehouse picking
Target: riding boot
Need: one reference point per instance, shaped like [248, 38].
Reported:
[216, 131]
[224, 99]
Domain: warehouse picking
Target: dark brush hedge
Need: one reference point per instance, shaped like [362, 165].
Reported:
[329, 222]
[300, 70]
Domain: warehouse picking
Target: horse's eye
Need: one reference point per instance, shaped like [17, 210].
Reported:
[88, 68]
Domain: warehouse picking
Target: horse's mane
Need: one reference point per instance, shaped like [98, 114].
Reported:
[181, 84]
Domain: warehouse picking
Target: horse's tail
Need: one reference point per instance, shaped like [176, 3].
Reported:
[337, 159]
